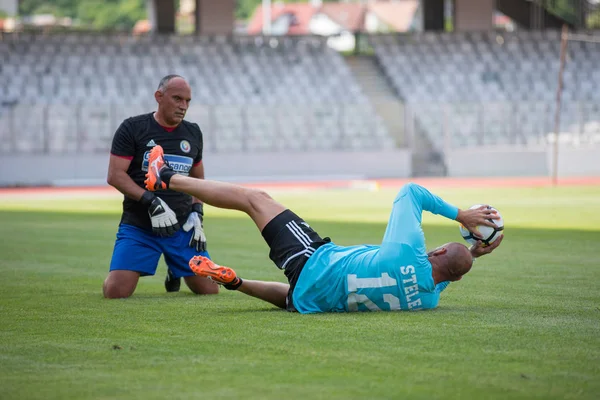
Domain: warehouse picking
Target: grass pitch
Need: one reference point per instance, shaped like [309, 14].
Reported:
[525, 323]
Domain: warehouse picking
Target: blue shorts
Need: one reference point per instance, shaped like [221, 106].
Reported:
[138, 250]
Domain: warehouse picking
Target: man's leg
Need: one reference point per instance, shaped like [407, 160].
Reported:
[256, 203]
[290, 239]
[272, 292]
[200, 285]
[172, 284]
[136, 253]
[177, 254]
[261, 207]
[120, 284]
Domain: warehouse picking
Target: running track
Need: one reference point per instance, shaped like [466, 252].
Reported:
[315, 185]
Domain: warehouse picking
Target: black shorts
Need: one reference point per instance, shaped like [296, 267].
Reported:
[292, 241]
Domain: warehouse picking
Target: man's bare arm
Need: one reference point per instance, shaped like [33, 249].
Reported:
[120, 180]
[197, 171]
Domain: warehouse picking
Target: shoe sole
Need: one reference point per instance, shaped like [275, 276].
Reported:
[215, 272]
[152, 176]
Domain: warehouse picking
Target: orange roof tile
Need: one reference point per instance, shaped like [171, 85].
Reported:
[349, 15]
[302, 11]
[398, 15]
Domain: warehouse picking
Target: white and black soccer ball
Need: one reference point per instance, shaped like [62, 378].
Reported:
[489, 234]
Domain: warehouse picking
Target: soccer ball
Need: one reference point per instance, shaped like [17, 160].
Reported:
[489, 234]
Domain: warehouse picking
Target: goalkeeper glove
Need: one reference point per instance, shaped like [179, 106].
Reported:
[164, 221]
[194, 221]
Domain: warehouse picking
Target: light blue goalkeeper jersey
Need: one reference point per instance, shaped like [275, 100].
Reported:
[393, 276]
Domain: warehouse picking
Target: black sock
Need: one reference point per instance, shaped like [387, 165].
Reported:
[235, 285]
[166, 174]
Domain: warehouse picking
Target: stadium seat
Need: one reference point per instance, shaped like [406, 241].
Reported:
[516, 70]
[110, 77]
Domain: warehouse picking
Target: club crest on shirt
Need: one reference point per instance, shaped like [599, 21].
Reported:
[185, 146]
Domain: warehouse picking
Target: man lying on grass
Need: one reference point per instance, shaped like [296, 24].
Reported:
[323, 277]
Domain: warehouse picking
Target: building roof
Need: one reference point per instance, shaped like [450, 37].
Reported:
[351, 16]
[303, 12]
[398, 15]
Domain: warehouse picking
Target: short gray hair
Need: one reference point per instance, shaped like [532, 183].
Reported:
[162, 86]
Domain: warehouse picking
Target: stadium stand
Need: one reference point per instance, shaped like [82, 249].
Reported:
[493, 88]
[68, 92]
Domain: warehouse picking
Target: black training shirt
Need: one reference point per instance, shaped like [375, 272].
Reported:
[134, 139]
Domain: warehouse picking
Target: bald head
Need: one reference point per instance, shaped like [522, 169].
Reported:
[173, 97]
[451, 261]
[165, 82]
[460, 260]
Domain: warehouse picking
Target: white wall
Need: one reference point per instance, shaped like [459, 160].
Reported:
[321, 24]
[243, 167]
[374, 25]
[496, 162]
[340, 39]
[576, 162]
[521, 162]
[247, 167]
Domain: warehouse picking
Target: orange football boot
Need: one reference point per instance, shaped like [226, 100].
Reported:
[156, 162]
[203, 266]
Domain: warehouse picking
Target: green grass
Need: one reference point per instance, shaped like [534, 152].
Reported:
[525, 323]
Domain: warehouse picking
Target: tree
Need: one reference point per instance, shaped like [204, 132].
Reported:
[117, 14]
[111, 14]
[58, 8]
[98, 14]
[593, 20]
[565, 9]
